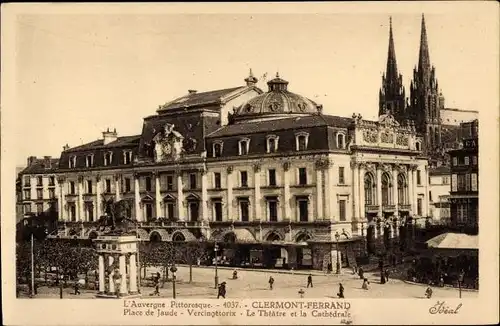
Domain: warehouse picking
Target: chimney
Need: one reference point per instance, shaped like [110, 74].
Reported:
[65, 147]
[109, 136]
[47, 162]
[31, 160]
[192, 91]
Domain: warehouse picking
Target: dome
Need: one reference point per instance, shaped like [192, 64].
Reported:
[277, 102]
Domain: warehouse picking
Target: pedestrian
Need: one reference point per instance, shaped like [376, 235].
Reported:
[428, 292]
[361, 273]
[157, 287]
[309, 280]
[386, 274]
[222, 290]
[341, 291]
[382, 277]
[271, 282]
[77, 288]
[158, 276]
[365, 284]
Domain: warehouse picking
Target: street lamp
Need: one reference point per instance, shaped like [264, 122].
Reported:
[173, 269]
[337, 236]
[216, 249]
[61, 277]
[460, 280]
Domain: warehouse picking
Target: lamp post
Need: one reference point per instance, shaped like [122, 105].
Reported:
[173, 269]
[61, 277]
[460, 280]
[32, 294]
[216, 249]
[337, 236]
[138, 251]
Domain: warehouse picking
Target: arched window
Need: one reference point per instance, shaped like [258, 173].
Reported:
[369, 194]
[402, 189]
[340, 141]
[386, 193]
[417, 145]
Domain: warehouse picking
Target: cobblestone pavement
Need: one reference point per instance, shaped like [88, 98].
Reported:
[252, 284]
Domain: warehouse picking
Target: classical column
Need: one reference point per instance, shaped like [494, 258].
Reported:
[286, 193]
[379, 190]
[137, 199]
[180, 198]
[361, 199]
[157, 194]
[229, 200]
[204, 195]
[395, 200]
[257, 202]
[327, 209]
[133, 274]
[123, 272]
[98, 196]
[117, 187]
[81, 209]
[61, 199]
[319, 189]
[102, 280]
[110, 277]
[332, 196]
[355, 189]
[426, 194]
[414, 172]
[410, 189]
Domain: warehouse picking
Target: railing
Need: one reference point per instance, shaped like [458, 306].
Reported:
[371, 208]
[388, 208]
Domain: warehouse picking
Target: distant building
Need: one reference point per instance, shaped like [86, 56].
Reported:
[439, 193]
[454, 117]
[464, 178]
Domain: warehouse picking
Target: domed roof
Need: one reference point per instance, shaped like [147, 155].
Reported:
[277, 102]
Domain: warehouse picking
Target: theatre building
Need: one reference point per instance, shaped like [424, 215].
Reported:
[265, 175]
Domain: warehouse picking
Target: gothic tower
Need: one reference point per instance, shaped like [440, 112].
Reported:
[425, 98]
[392, 92]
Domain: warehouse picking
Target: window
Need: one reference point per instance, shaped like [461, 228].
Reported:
[272, 177]
[466, 160]
[474, 160]
[419, 206]
[342, 210]
[27, 208]
[419, 178]
[89, 160]
[461, 213]
[27, 181]
[52, 193]
[461, 182]
[217, 148]
[446, 180]
[192, 181]
[89, 186]
[369, 185]
[108, 158]
[217, 181]
[455, 161]
[303, 210]
[39, 208]
[52, 181]
[170, 182]
[430, 196]
[273, 210]
[272, 144]
[386, 193]
[169, 210]
[39, 181]
[147, 182]
[301, 140]
[244, 212]
[417, 145]
[193, 211]
[107, 185]
[127, 157]
[341, 175]
[244, 178]
[72, 162]
[39, 194]
[27, 194]
[473, 181]
[243, 146]
[89, 208]
[467, 182]
[340, 141]
[302, 176]
[218, 211]
[454, 182]
[72, 187]
[149, 211]
[127, 184]
[72, 212]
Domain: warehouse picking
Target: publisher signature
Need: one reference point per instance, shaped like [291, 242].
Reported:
[442, 308]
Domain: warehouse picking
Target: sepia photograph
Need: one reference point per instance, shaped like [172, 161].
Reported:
[162, 157]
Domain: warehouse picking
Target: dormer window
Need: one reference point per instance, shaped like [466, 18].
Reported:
[217, 149]
[127, 157]
[108, 158]
[340, 140]
[89, 160]
[72, 162]
[244, 145]
[272, 143]
[301, 141]
[417, 146]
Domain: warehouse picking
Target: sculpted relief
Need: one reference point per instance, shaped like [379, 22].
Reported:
[370, 136]
[402, 140]
[168, 144]
[387, 137]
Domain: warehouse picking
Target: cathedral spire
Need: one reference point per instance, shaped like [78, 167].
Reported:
[391, 73]
[424, 62]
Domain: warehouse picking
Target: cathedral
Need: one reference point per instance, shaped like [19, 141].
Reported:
[265, 175]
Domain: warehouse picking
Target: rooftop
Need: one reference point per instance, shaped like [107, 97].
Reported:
[440, 170]
[124, 141]
[39, 165]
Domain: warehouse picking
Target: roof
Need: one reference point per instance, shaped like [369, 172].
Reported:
[196, 99]
[440, 170]
[454, 241]
[281, 124]
[39, 166]
[459, 110]
[450, 133]
[97, 144]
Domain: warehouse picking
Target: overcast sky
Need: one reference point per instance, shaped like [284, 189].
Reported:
[79, 74]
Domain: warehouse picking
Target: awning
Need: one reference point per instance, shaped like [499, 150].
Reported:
[454, 241]
[285, 243]
[240, 236]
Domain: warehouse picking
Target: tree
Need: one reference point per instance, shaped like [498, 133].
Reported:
[190, 253]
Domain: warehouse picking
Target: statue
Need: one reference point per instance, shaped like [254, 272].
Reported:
[115, 218]
[168, 143]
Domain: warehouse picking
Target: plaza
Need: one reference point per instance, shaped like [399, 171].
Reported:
[252, 284]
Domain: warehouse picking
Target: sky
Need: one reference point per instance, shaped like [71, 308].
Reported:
[78, 74]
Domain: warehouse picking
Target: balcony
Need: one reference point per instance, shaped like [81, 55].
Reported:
[371, 208]
[388, 208]
[404, 207]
